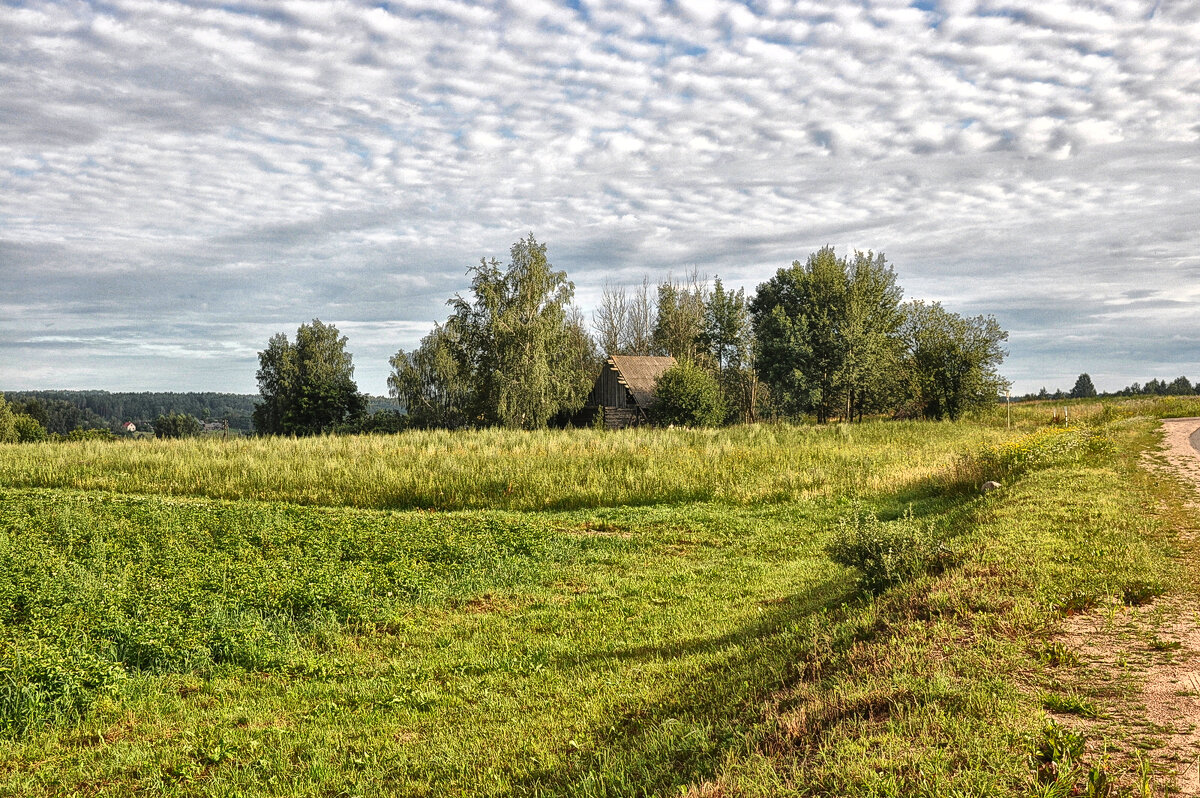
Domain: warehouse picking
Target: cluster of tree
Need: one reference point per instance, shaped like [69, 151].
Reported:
[27, 422]
[307, 387]
[1180, 386]
[828, 337]
[18, 426]
[177, 425]
[1085, 389]
[57, 416]
[514, 353]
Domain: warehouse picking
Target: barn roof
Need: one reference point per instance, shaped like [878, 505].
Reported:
[639, 374]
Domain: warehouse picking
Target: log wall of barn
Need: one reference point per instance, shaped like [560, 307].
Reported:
[608, 390]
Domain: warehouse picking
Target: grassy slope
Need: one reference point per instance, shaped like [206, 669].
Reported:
[606, 650]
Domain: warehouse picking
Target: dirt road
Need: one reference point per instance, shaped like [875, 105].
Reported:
[1145, 660]
[1181, 446]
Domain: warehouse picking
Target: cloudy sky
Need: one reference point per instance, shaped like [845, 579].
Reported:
[180, 180]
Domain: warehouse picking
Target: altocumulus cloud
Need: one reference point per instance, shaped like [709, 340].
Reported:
[179, 180]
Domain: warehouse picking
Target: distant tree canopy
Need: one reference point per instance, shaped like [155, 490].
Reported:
[62, 411]
[176, 425]
[512, 354]
[307, 387]
[1180, 386]
[1084, 389]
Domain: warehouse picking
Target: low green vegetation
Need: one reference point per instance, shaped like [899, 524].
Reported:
[747, 611]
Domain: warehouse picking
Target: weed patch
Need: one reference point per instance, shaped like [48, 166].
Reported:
[885, 553]
[1042, 448]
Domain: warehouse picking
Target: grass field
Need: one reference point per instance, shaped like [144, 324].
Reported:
[562, 613]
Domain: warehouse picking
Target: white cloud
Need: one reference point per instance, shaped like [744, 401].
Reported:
[258, 150]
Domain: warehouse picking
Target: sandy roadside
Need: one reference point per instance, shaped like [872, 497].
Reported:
[1153, 649]
[1181, 439]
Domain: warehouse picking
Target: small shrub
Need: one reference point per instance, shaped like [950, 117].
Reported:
[1071, 704]
[1076, 602]
[1160, 644]
[1055, 654]
[886, 552]
[687, 394]
[1055, 750]
[177, 425]
[1137, 592]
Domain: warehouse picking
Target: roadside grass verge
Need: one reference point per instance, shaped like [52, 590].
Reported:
[617, 648]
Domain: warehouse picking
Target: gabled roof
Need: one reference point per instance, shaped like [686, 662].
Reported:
[639, 373]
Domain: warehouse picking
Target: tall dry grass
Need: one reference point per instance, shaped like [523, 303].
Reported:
[552, 469]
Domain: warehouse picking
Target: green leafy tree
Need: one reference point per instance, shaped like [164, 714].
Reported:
[870, 322]
[176, 425]
[951, 362]
[679, 320]
[519, 343]
[825, 334]
[728, 343]
[28, 429]
[689, 395]
[428, 384]
[1180, 386]
[307, 387]
[1083, 388]
[34, 408]
[278, 384]
[8, 428]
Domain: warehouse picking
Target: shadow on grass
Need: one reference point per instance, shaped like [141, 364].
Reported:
[662, 743]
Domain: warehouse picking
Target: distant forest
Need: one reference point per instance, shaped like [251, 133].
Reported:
[66, 411]
[71, 410]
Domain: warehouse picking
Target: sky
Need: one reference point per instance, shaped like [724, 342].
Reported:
[181, 180]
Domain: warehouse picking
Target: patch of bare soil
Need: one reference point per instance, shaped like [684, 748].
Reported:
[1142, 664]
[1178, 455]
[1142, 667]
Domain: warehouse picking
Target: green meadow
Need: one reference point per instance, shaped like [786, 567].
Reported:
[764, 610]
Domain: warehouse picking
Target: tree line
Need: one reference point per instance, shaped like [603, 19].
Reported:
[829, 338]
[61, 412]
[29, 418]
[1084, 388]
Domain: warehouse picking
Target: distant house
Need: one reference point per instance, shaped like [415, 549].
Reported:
[129, 426]
[625, 388]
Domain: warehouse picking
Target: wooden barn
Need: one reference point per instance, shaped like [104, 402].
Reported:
[625, 388]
